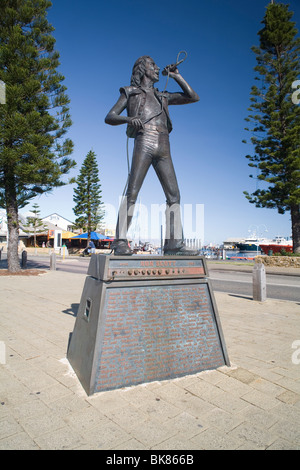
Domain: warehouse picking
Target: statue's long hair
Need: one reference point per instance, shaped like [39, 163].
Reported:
[138, 70]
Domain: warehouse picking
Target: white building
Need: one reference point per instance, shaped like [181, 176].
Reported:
[59, 221]
[3, 225]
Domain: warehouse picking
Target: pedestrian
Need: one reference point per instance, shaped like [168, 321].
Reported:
[92, 248]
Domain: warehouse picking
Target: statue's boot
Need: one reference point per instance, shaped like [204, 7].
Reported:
[121, 247]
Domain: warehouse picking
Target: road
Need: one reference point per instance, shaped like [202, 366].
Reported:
[240, 283]
[283, 287]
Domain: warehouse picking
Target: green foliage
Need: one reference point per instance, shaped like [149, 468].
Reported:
[33, 122]
[34, 225]
[286, 253]
[87, 195]
[275, 118]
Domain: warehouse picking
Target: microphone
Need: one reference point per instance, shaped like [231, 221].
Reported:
[172, 67]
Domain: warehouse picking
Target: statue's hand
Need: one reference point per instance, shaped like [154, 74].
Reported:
[170, 70]
[136, 123]
[173, 73]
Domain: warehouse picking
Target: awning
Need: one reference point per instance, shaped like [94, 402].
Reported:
[94, 236]
[65, 234]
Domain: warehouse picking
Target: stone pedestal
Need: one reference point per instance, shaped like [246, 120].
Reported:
[145, 318]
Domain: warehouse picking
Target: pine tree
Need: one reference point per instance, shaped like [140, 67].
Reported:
[35, 116]
[87, 196]
[34, 224]
[276, 117]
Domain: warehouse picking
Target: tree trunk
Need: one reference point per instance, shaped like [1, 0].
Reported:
[295, 216]
[13, 238]
[12, 223]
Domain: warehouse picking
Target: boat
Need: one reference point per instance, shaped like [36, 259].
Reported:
[276, 245]
[250, 244]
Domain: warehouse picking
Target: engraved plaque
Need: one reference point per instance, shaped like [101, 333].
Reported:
[144, 318]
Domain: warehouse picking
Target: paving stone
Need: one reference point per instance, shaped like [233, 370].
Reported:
[234, 386]
[203, 389]
[228, 402]
[187, 424]
[54, 392]
[178, 442]
[260, 399]
[83, 419]
[261, 438]
[287, 430]
[212, 439]
[20, 441]
[290, 384]
[107, 401]
[159, 409]
[64, 438]
[258, 417]
[41, 424]
[243, 375]
[194, 406]
[128, 417]
[292, 373]
[222, 420]
[106, 435]
[268, 387]
[289, 397]
[281, 444]
[213, 376]
[253, 404]
[131, 444]
[150, 434]
[286, 412]
[8, 427]
[138, 394]
[171, 392]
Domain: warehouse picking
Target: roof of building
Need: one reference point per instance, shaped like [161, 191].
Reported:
[61, 216]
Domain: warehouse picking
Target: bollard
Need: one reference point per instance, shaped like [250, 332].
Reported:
[259, 282]
[53, 261]
[24, 260]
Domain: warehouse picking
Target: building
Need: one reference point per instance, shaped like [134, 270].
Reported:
[54, 226]
[59, 222]
[3, 226]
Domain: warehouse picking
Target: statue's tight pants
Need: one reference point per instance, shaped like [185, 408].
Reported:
[152, 148]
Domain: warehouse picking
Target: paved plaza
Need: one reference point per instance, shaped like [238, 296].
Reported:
[253, 404]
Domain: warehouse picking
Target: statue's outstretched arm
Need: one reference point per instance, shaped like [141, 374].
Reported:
[188, 96]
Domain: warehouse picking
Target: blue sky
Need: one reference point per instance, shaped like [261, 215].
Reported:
[98, 44]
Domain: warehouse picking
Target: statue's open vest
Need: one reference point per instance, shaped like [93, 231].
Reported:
[136, 99]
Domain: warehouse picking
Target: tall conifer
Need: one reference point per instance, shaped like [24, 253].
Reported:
[35, 115]
[87, 196]
[276, 117]
[34, 224]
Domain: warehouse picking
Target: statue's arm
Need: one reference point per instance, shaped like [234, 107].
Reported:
[188, 95]
[114, 117]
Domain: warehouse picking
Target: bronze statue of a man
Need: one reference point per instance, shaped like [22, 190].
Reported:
[148, 121]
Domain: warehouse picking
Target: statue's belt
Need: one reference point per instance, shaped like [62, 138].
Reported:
[160, 129]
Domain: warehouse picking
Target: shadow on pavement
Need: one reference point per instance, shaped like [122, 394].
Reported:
[72, 310]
